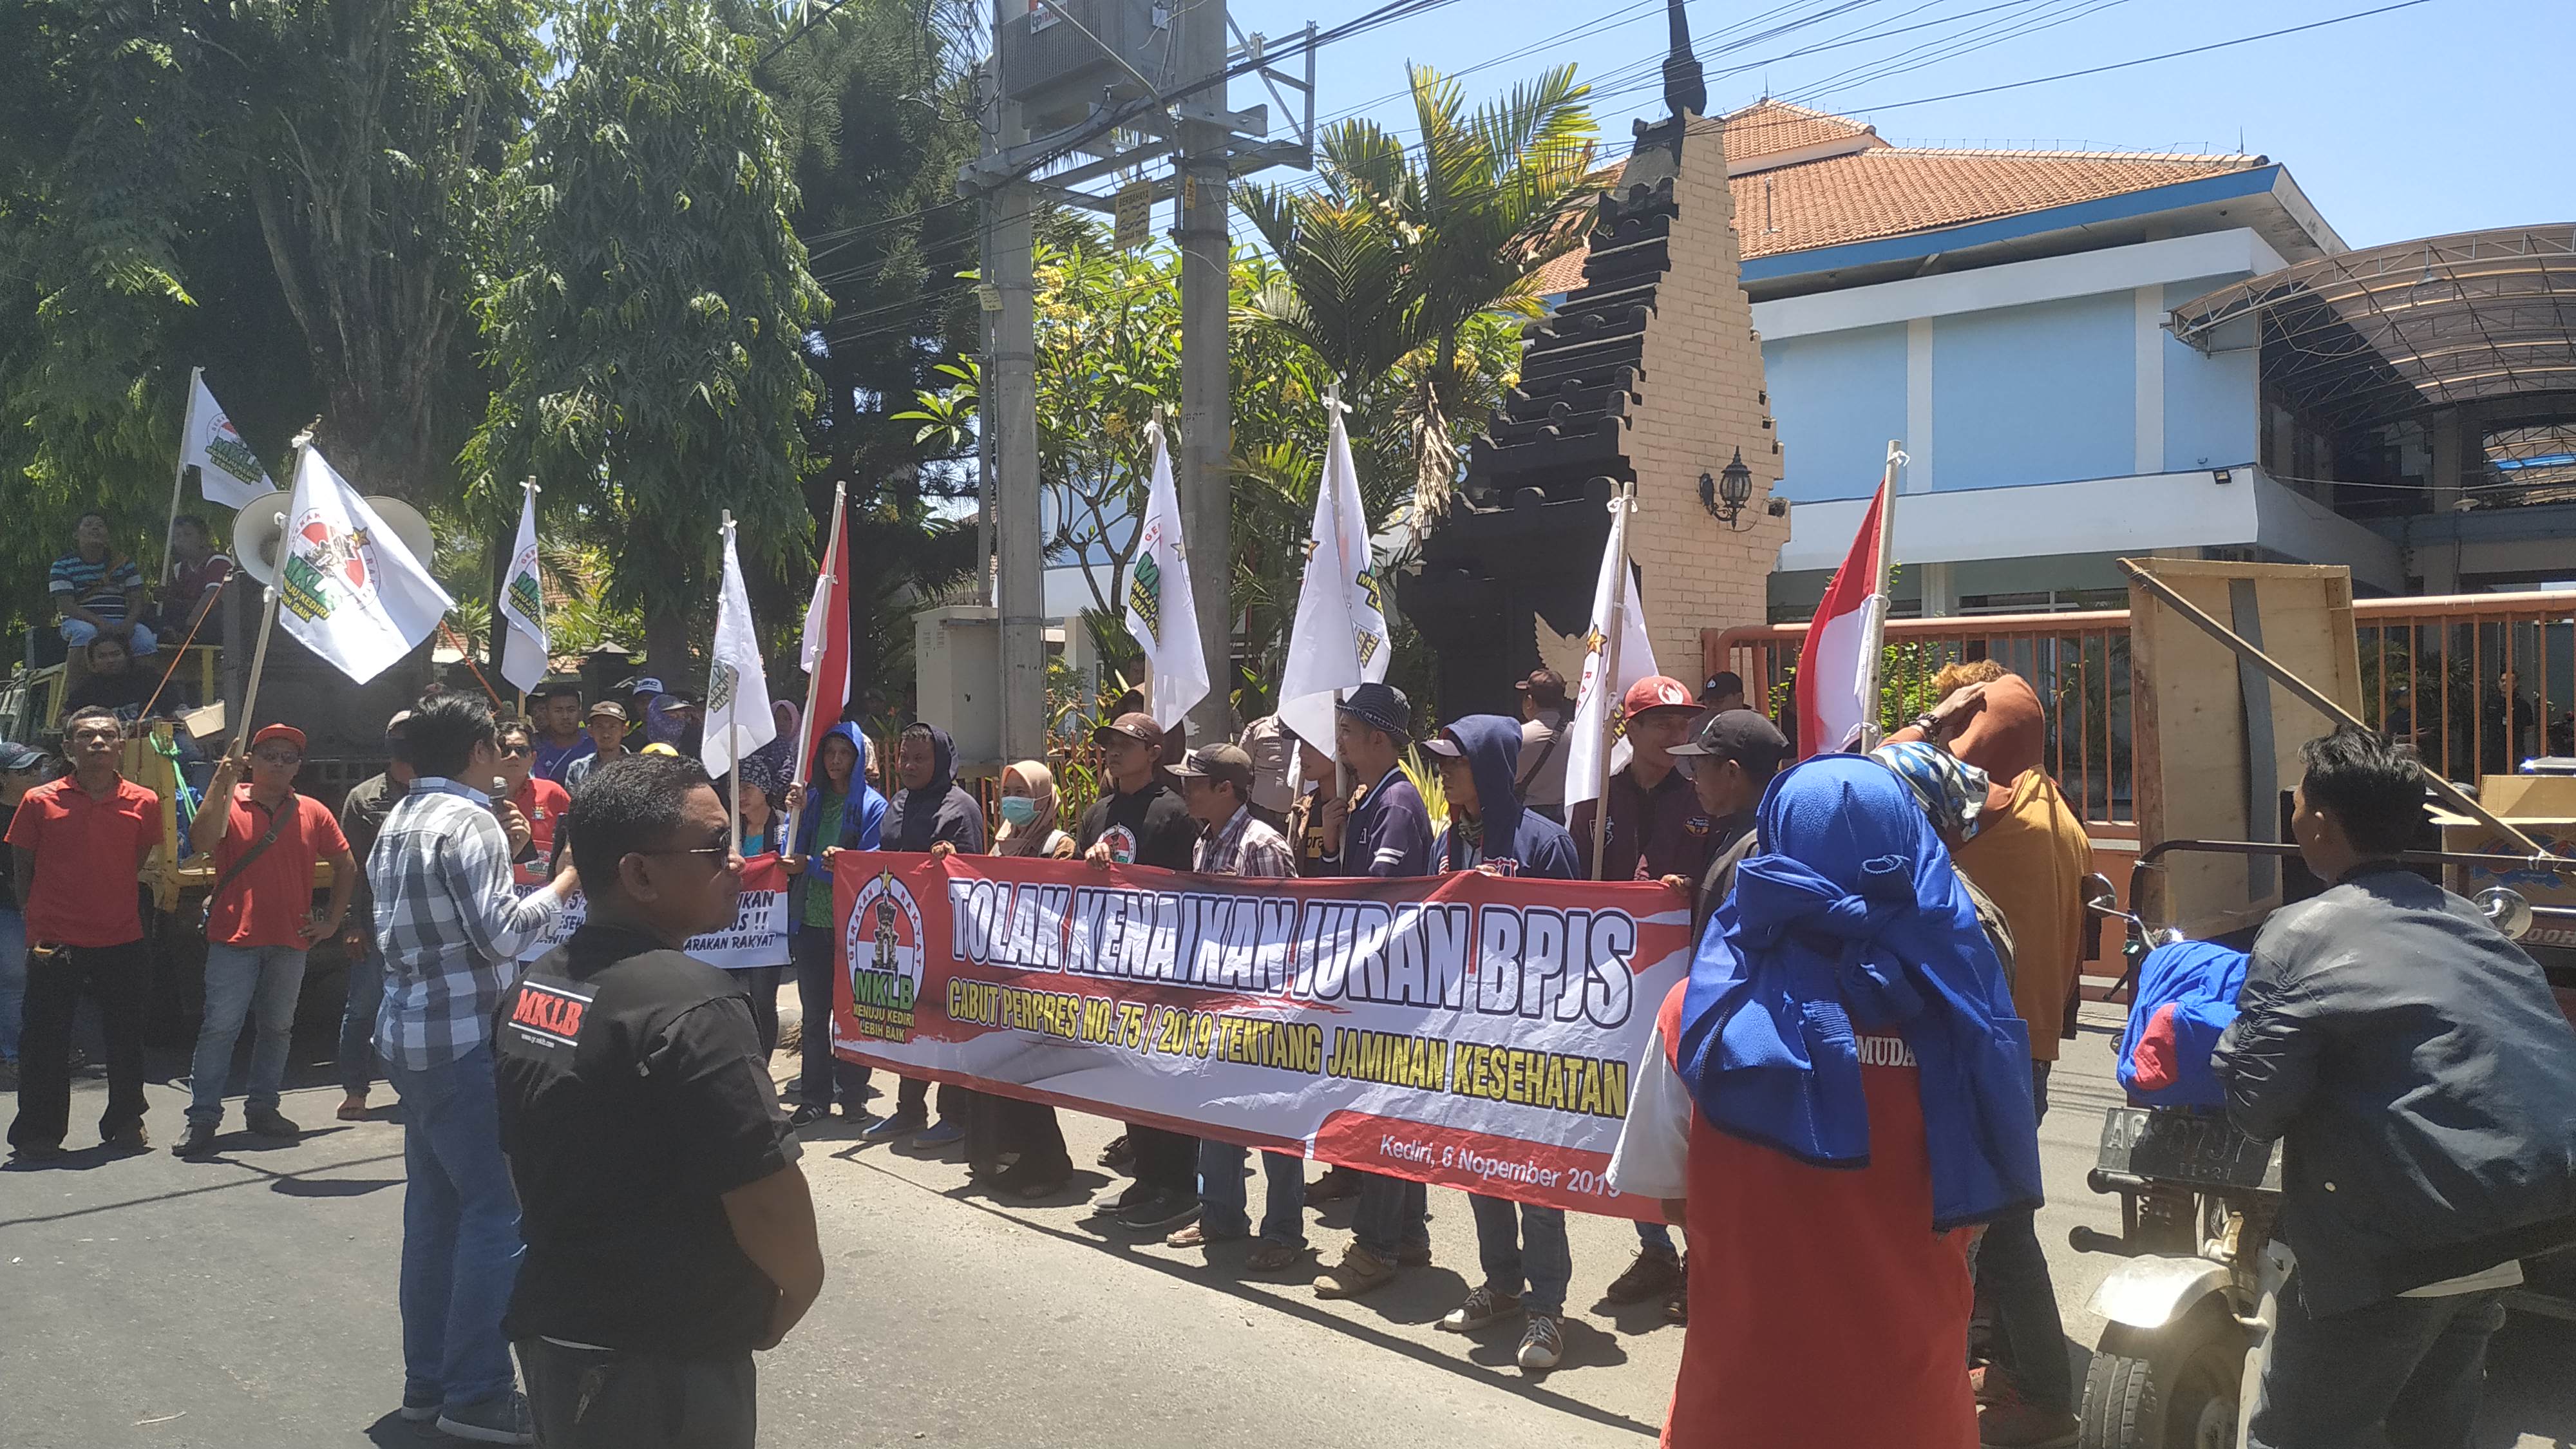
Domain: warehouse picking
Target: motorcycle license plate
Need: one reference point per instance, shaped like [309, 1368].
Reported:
[2184, 1148]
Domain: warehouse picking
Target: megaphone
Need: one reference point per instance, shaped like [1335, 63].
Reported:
[259, 532]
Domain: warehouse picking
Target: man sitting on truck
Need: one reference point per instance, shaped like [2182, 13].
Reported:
[2415, 1067]
[98, 590]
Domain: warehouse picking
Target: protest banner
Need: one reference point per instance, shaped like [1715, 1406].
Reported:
[1469, 1030]
[758, 936]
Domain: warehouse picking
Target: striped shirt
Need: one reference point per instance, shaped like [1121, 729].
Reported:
[448, 921]
[98, 587]
[1246, 847]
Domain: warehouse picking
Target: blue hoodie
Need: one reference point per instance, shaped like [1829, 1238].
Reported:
[861, 819]
[1847, 918]
[1538, 846]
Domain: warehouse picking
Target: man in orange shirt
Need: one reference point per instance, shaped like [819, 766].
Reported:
[76, 845]
[265, 839]
[541, 800]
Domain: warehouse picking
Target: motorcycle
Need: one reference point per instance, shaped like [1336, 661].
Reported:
[2188, 1316]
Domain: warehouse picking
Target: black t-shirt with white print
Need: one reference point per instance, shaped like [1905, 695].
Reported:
[632, 1098]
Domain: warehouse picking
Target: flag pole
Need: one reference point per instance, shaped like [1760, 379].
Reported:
[1873, 644]
[179, 474]
[268, 604]
[733, 699]
[1620, 507]
[546, 666]
[814, 678]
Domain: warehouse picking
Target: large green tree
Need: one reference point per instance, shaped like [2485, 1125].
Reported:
[649, 322]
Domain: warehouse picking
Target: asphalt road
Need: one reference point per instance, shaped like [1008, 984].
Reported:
[248, 1301]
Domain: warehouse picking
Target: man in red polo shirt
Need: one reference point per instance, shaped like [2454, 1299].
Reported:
[75, 846]
[265, 839]
[541, 800]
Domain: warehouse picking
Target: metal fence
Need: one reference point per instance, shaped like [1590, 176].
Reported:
[2431, 671]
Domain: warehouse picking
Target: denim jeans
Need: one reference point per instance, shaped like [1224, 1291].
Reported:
[259, 982]
[357, 1056]
[119, 979]
[13, 980]
[2417, 1365]
[460, 1251]
[2012, 1276]
[1657, 1235]
[1524, 1251]
[1223, 1208]
[81, 633]
[824, 1074]
[1391, 1215]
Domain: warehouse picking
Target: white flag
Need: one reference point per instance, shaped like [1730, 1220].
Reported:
[1339, 639]
[738, 719]
[1596, 701]
[348, 587]
[1161, 611]
[227, 473]
[524, 650]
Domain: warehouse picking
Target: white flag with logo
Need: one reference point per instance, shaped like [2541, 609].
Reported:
[524, 652]
[348, 587]
[738, 719]
[1596, 701]
[1161, 611]
[1339, 639]
[228, 475]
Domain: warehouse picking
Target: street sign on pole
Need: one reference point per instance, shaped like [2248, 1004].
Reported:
[1135, 215]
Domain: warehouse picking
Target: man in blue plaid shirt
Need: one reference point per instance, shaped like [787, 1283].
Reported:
[452, 928]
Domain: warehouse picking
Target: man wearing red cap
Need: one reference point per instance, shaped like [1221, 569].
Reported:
[1657, 830]
[265, 839]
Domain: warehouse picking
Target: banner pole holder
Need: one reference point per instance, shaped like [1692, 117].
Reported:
[805, 730]
[268, 605]
[179, 474]
[1621, 505]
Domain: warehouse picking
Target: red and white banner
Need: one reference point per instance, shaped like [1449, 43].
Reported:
[1838, 664]
[758, 936]
[1469, 1030]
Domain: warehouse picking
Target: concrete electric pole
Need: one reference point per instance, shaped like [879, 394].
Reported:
[1207, 413]
[1020, 591]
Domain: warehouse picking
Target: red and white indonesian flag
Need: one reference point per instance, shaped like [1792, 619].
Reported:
[1339, 640]
[348, 587]
[826, 654]
[739, 719]
[228, 475]
[1615, 614]
[524, 653]
[1162, 612]
[1838, 665]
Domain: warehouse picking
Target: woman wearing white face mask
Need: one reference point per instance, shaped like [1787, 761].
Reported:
[997, 1127]
[1029, 814]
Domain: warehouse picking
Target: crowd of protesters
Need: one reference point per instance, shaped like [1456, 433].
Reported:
[1838, 1110]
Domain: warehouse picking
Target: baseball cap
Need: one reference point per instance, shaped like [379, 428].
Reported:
[1657, 691]
[286, 732]
[1135, 725]
[1544, 685]
[16, 758]
[1446, 746]
[1739, 735]
[609, 708]
[643, 684]
[1218, 762]
[1381, 707]
[548, 689]
[1721, 684]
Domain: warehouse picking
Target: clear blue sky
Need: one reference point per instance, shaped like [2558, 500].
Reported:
[2446, 116]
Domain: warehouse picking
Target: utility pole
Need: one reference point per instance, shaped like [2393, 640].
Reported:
[1207, 414]
[1012, 419]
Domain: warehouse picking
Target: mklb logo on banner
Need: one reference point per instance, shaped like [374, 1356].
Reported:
[885, 952]
[315, 552]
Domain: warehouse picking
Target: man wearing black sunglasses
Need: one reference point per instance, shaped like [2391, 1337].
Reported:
[669, 1231]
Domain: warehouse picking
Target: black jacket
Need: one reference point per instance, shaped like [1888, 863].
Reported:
[2424, 1083]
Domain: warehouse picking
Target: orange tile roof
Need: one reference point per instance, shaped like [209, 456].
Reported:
[1883, 190]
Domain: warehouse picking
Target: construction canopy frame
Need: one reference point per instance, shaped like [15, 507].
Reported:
[2408, 326]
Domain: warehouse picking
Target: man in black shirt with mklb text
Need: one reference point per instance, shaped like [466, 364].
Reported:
[669, 1231]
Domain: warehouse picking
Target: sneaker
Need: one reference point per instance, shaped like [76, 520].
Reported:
[1483, 1309]
[1655, 1271]
[1359, 1271]
[1156, 1212]
[504, 1420]
[1119, 1155]
[37, 1151]
[269, 1122]
[8, 1074]
[1542, 1342]
[419, 1411]
[1336, 1183]
[1198, 1235]
[894, 1129]
[946, 1134]
[197, 1141]
[806, 1115]
[134, 1138]
[353, 1108]
[2020, 1424]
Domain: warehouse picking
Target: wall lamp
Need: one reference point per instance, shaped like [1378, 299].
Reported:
[1725, 494]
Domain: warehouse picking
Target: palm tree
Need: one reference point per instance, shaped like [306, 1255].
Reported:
[1388, 263]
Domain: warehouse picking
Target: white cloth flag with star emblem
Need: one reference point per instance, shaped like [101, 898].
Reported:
[1596, 702]
[739, 719]
[1162, 612]
[1340, 635]
[228, 474]
[524, 654]
[348, 587]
